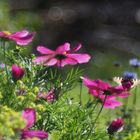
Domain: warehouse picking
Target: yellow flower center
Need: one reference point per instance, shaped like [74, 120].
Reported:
[6, 32]
[65, 52]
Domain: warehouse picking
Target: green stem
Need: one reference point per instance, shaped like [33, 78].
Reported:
[79, 137]
[80, 95]
[4, 52]
[97, 117]
[96, 103]
[135, 104]
[111, 137]
[125, 105]
[135, 97]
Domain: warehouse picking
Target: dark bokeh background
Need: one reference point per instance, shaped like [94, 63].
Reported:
[108, 29]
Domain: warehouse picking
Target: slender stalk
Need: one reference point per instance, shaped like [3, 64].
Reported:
[4, 53]
[96, 117]
[125, 105]
[80, 95]
[90, 113]
[135, 104]
[111, 137]
[100, 110]
[94, 107]
[135, 97]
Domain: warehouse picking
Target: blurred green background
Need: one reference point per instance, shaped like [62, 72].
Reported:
[109, 30]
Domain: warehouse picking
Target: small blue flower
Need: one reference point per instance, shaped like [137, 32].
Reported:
[2, 66]
[130, 75]
[134, 62]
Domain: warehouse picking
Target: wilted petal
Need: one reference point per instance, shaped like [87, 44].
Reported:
[77, 48]
[33, 133]
[29, 115]
[44, 50]
[63, 48]
[80, 58]
[50, 96]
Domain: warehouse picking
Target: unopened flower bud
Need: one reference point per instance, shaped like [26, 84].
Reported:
[115, 126]
[17, 72]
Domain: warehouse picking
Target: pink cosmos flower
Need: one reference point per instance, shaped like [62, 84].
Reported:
[29, 115]
[21, 38]
[105, 92]
[17, 72]
[62, 56]
[115, 126]
[50, 97]
[103, 88]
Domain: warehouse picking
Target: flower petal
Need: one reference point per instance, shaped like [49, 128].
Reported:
[22, 37]
[44, 50]
[51, 62]
[123, 95]
[63, 48]
[116, 89]
[29, 115]
[20, 34]
[3, 34]
[95, 93]
[81, 58]
[58, 63]
[111, 103]
[41, 59]
[34, 133]
[95, 84]
[68, 61]
[23, 40]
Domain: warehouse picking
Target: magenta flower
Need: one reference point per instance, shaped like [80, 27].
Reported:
[29, 115]
[104, 88]
[17, 72]
[21, 38]
[62, 56]
[50, 97]
[127, 83]
[115, 126]
[105, 92]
